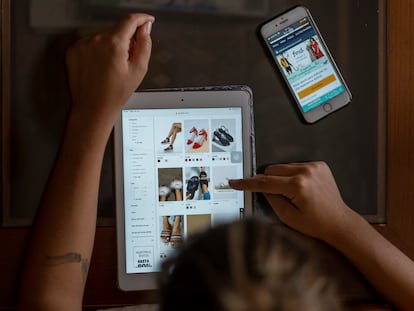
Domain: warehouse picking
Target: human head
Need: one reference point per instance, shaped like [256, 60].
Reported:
[247, 265]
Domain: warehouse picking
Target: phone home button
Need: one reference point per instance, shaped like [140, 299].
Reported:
[327, 107]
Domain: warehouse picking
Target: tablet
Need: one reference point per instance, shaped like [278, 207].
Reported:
[174, 153]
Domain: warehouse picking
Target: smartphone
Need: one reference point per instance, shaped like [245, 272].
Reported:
[305, 63]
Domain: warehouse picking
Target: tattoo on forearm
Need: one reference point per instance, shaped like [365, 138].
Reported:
[70, 258]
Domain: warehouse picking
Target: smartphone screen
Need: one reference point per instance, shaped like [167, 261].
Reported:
[306, 65]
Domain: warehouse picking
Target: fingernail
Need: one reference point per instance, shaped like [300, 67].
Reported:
[148, 27]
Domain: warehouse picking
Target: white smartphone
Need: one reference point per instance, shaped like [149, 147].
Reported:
[305, 63]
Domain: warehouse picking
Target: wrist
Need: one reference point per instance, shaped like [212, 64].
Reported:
[86, 133]
[345, 228]
[90, 123]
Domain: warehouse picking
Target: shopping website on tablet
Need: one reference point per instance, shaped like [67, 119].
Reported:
[177, 163]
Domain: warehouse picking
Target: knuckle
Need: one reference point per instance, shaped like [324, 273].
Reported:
[300, 183]
[312, 168]
[113, 42]
[131, 16]
[320, 165]
[91, 41]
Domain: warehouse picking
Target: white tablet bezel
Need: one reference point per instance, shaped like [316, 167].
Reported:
[240, 96]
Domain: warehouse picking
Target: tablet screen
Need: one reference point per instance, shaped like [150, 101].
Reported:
[176, 166]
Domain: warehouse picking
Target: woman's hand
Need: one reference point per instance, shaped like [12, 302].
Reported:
[104, 70]
[303, 195]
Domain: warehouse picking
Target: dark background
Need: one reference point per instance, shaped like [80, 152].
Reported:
[199, 48]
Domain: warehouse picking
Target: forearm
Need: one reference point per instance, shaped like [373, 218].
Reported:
[103, 71]
[389, 270]
[62, 239]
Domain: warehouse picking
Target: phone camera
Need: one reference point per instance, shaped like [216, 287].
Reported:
[182, 99]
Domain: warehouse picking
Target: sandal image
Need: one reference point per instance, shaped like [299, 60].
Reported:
[204, 184]
[170, 139]
[220, 138]
[203, 178]
[176, 236]
[222, 185]
[165, 235]
[176, 184]
[176, 187]
[203, 137]
[166, 230]
[194, 133]
[192, 187]
[169, 148]
[223, 130]
[176, 240]
[163, 192]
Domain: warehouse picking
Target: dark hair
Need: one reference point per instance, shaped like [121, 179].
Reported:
[247, 265]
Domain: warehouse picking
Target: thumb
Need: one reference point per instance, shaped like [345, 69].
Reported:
[140, 52]
[282, 207]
